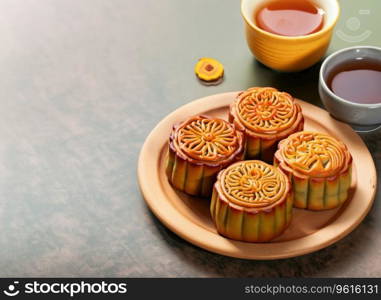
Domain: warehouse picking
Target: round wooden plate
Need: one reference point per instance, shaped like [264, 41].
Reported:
[189, 217]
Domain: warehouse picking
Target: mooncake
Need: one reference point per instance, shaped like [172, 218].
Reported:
[266, 116]
[251, 201]
[319, 167]
[198, 149]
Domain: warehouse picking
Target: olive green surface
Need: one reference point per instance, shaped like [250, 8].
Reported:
[82, 83]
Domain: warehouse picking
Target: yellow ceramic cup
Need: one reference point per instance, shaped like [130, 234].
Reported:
[289, 54]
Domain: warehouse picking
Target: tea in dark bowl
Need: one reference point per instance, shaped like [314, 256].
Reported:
[358, 81]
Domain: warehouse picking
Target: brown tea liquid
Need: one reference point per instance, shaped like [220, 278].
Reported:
[290, 17]
[357, 81]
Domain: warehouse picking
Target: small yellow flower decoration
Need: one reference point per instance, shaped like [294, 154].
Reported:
[208, 69]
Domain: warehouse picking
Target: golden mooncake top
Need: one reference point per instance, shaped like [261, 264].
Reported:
[254, 184]
[266, 110]
[206, 139]
[315, 154]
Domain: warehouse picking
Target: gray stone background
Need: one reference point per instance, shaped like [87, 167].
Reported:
[82, 83]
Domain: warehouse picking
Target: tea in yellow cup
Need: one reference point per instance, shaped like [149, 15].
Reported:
[289, 42]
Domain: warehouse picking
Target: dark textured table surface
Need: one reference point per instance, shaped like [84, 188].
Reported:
[82, 83]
